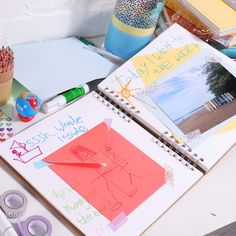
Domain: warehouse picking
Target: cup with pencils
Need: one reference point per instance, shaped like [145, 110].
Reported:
[6, 74]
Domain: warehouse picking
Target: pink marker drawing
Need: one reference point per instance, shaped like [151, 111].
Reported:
[23, 154]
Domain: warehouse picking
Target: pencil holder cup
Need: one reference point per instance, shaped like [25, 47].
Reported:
[5, 86]
[132, 26]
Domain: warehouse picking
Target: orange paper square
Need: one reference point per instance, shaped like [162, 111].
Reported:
[128, 180]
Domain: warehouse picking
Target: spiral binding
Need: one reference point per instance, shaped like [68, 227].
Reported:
[166, 141]
[180, 151]
[104, 99]
[131, 110]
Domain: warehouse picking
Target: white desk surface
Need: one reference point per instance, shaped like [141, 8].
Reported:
[34, 207]
[209, 205]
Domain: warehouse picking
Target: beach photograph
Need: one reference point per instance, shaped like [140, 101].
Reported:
[198, 99]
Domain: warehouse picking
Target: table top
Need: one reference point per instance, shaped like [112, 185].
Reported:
[36, 206]
[209, 205]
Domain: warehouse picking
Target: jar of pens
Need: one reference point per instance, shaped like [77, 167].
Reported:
[6, 74]
[132, 26]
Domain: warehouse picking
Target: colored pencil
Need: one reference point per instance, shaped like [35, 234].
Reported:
[6, 59]
[87, 165]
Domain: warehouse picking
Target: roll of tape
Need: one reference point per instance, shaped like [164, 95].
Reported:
[13, 203]
[35, 225]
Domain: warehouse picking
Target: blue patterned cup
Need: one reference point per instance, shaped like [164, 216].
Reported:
[132, 26]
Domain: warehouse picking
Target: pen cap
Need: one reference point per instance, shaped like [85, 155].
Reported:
[53, 104]
[64, 98]
[132, 26]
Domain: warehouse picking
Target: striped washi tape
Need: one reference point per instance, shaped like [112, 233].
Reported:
[35, 225]
[13, 203]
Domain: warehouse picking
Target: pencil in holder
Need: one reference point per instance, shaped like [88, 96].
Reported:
[6, 74]
[132, 26]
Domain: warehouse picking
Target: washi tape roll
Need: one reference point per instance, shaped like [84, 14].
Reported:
[13, 203]
[35, 225]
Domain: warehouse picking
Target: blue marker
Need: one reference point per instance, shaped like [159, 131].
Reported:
[230, 52]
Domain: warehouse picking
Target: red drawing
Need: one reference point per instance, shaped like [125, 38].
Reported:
[22, 153]
[128, 180]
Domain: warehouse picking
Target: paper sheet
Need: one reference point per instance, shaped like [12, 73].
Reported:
[51, 67]
[129, 178]
[153, 66]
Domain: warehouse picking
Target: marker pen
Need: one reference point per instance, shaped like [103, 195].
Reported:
[69, 95]
[6, 228]
[86, 41]
[105, 53]
[64, 98]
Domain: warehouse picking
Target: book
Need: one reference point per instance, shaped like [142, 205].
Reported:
[106, 161]
[210, 13]
[181, 10]
[231, 3]
[179, 14]
[201, 33]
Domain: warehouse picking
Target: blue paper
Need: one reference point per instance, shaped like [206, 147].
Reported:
[51, 67]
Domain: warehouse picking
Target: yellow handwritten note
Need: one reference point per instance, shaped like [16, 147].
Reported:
[151, 67]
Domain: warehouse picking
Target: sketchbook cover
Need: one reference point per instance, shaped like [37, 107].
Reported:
[138, 184]
[184, 84]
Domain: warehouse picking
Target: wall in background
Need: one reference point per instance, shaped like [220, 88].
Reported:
[33, 20]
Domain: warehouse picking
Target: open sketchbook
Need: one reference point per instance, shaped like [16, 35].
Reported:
[108, 162]
[180, 84]
[137, 182]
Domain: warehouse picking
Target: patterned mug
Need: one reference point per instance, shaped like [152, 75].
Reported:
[132, 26]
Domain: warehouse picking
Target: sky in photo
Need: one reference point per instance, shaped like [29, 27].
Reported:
[180, 95]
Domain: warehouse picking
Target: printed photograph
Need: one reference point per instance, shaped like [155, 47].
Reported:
[198, 99]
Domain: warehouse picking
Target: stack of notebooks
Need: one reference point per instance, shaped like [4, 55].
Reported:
[178, 11]
[219, 16]
[114, 161]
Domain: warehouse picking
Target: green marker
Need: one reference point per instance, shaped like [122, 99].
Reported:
[74, 93]
[70, 95]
